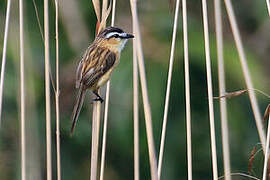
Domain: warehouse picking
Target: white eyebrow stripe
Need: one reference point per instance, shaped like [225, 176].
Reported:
[112, 34]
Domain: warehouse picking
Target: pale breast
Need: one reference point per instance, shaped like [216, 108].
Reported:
[104, 78]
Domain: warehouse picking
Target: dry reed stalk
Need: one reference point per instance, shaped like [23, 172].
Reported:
[241, 174]
[266, 113]
[261, 92]
[104, 8]
[96, 5]
[167, 98]
[47, 90]
[146, 104]
[23, 151]
[4, 58]
[232, 94]
[32, 137]
[187, 89]
[57, 93]
[240, 92]
[268, 6]
[135, 106]
[42, 36]
[95, 138]
[105, 123]
[97, 105]
[210, 91]
[245, 70]
[251, 159]
[222, 90]
[37, 16]
[266, 154]
[136, 112]
[96, 113]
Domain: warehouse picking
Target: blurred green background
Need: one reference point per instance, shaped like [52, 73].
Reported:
[77, 30]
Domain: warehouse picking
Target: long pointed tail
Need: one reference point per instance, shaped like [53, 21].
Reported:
[77, 108]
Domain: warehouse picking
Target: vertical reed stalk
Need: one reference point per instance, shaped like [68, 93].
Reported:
[57, 94]
[47, 90]
[165, 116]
[245, 70]
[104, 8]
[103, 151]
[96, 104]
[268, 6]
[95, 139]
[4, 58]
[266, 155]
[23, 152]
[187, 90]
[135, 107]
[210, 91]
[222, 91]
[146, 104]
[136, 113]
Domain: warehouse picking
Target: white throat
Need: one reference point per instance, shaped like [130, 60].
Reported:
[122, 45]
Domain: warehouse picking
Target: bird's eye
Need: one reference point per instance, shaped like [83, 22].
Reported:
[116, 36]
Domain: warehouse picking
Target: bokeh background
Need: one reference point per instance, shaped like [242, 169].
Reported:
[77, 31]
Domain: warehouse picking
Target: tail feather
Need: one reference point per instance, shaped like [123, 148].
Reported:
[77, 108]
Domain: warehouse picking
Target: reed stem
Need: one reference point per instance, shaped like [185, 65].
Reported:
[103, 151]
[243, 61]
[47, 90]
[222, 91]
[266, 154]
[4, 58]
[166, 107]
[146, 104]
[187, 90]
[22, 80]
[210, 91]
[57, 93]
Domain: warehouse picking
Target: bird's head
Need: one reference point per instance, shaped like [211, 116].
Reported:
[113, 38]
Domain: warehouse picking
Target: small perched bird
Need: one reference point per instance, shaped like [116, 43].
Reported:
[97, 64]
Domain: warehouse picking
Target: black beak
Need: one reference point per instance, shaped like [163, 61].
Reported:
[128, 36]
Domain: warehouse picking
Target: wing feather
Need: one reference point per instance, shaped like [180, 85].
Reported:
[105, 64]
[94, 64]
[86, 59]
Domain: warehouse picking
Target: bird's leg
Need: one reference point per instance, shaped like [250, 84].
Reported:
[98, 98]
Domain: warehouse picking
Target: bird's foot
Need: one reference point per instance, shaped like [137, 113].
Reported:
[98, 99]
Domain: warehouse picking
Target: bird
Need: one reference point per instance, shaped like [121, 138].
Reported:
[97, 65]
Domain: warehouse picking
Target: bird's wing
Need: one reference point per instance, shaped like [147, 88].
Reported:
[86, 60]
[101, 62]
